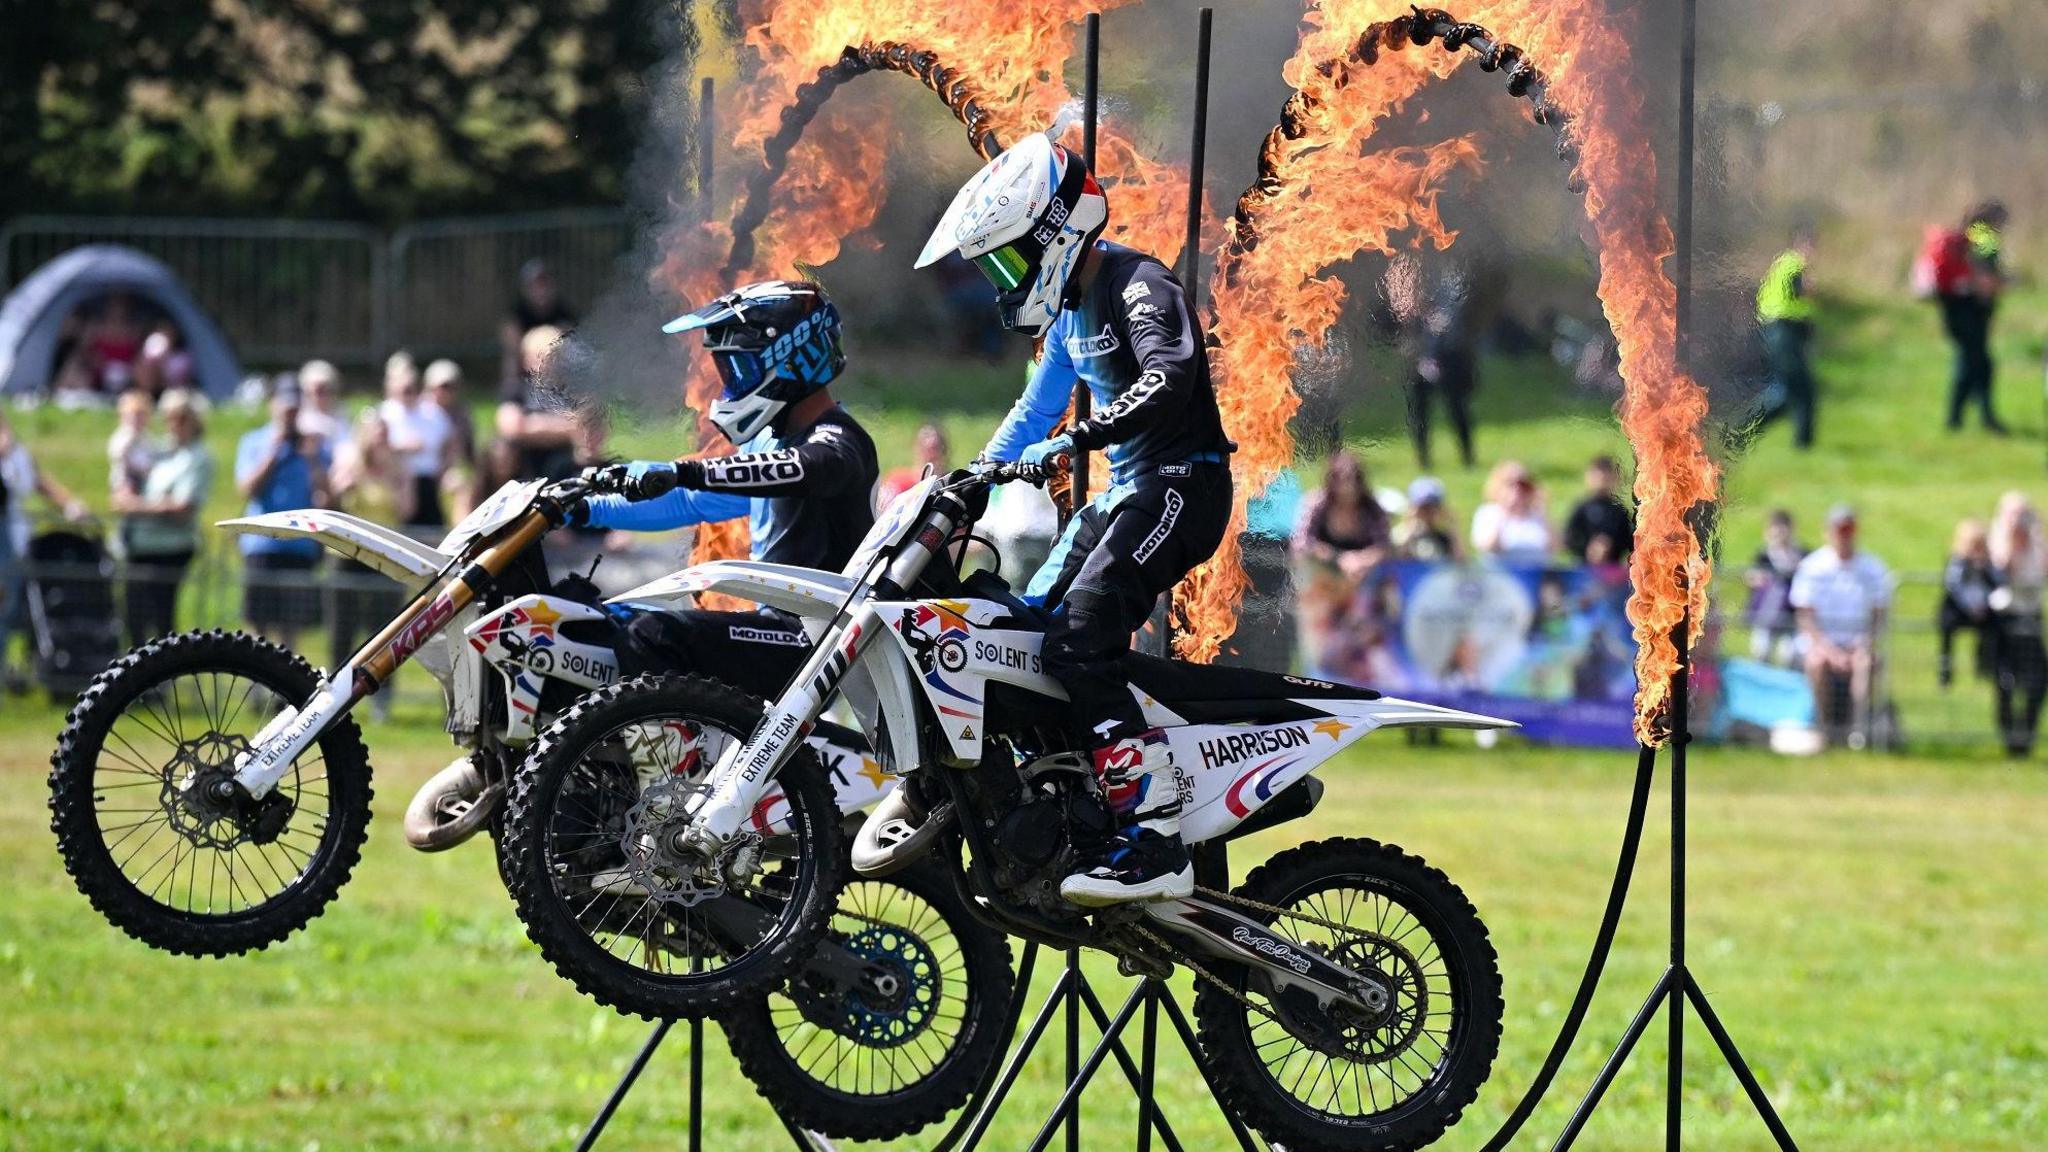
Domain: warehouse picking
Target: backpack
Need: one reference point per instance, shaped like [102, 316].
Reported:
[1943, 266]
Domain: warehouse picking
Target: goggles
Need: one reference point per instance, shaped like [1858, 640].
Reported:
[1005, 267]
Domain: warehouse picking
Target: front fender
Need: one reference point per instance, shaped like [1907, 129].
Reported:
[805, 592]
[381, 549]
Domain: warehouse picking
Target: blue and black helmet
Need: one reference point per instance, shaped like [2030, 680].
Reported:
[774, 342]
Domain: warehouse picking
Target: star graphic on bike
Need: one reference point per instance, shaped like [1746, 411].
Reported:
[543, 615]
[1333, 728]
[871, 771]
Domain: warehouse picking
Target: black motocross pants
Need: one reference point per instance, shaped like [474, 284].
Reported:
[1108, 569]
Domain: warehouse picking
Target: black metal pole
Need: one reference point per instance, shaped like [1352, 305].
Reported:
[1198, 146]
[1148, 1058]
[1674, 1052]
[1091, 62]
[1681, 262]
[1191, 244]
[625, 1085]
[1681, 734]
[697, 1086]
[707, 128]
[1073, 1054]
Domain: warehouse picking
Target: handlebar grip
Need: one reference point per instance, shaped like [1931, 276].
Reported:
[654, 483]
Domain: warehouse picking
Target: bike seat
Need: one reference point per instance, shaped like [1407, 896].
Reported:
[1205, 693]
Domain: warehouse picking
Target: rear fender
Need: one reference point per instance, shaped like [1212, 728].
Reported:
[382, 549]
[804, 592]
[1388, 712]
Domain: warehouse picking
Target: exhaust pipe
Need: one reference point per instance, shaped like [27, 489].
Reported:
[452, 806]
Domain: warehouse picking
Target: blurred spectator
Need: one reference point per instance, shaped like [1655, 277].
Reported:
[163, 520]
[536, 306]
[444, 391]
[1961, 270]
[163, 364]
[932, 453]
[1784, 312]
[20, 482]
[277, 469]
[1341, 526]
[320, 405]
[1341, 536]
[419, 435]
[129, 451]
[2019, 553]
[1967, 582]
[536, 431]
[1443, 328]
[365, 483]
[1512, 524]
[1601, 529]
[1773, 627]
[1841, 595]
[1425, 531]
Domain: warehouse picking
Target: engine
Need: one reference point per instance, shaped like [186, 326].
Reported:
[1038, 840]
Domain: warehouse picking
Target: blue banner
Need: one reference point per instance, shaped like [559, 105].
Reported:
[1548, 648]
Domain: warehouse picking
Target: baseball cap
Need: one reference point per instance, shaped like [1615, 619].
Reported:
[1425, 490]
[1841, 514]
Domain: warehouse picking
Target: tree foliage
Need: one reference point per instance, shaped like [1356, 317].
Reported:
[378, 109]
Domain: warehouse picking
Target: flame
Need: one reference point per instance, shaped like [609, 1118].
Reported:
[1322, 200]
[1269, 300]
[1013, 54]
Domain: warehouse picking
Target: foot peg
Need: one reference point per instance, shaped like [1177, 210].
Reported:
[453, 805]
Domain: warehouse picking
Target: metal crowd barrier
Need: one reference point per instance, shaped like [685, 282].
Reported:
[286, 291]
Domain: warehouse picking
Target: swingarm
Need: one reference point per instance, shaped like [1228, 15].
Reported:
[1222, 934]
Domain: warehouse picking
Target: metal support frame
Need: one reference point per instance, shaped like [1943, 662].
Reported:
[1071, 994]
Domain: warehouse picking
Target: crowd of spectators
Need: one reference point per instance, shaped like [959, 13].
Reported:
[115, 345]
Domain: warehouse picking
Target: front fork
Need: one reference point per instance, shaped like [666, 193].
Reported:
[291, 731]
[742, 774]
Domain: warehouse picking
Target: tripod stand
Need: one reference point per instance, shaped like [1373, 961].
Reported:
[1673, 990]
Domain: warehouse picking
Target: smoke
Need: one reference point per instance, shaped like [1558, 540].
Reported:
[618, 354]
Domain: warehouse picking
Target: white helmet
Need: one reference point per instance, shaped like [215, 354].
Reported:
[1025, 220]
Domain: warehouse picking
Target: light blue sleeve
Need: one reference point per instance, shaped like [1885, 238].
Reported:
[1046, 398]
[681, 508]
[252, 452]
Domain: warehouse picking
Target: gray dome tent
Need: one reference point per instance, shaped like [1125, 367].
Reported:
[34, 313]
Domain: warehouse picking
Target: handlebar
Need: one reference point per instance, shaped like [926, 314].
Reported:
[992, 473]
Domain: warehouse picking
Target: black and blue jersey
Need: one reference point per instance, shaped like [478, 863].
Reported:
[1135, 343]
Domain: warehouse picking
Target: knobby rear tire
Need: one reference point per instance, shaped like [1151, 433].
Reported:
[1241, 1077]
[816, 1106]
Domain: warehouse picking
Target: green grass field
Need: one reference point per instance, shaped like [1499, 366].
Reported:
[1874, 931]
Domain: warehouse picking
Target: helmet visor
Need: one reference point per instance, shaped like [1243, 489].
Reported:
[1005, 267]
[740, 369]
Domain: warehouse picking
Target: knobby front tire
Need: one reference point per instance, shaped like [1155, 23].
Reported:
[573, 884]
[162, 866]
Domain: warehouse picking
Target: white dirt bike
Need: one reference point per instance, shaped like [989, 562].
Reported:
[1347, 993]
[211, 793]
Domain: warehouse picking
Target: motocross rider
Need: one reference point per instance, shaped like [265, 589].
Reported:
[804, 477]
[1116, 319]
